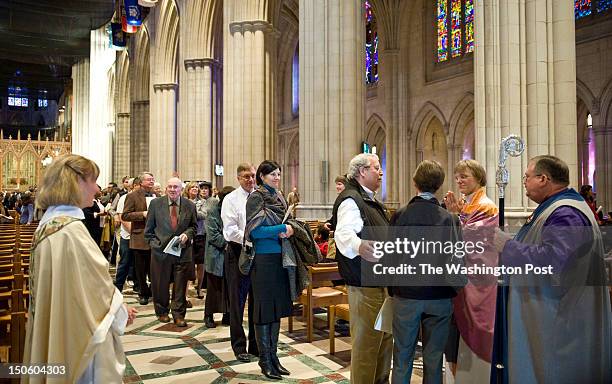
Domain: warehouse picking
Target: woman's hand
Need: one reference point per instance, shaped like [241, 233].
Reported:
[288, 232]
[453, 204]
[131, 315]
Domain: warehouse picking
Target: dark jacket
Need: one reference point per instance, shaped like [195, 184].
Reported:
[92, 223]
[373, 214]
[158, 231]
[417, 221]
[298, 251]
[215, 242]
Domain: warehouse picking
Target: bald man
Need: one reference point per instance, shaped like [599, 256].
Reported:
[170, 216]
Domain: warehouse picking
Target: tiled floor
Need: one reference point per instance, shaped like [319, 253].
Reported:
[162, 353]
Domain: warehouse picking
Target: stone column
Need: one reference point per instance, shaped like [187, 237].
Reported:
[80, 108]
[162, 134]
[196, 129]
[121, 158]
[525, 83]
[390, 79]
[603, 164]
[139, 137]
[249, 54]
[332, 101]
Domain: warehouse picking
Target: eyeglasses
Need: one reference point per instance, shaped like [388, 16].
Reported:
[526, 176]
[377, 169]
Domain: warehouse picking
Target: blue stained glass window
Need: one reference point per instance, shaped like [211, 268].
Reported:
[604, 5]
[17, 97]
[582, 8]
[371, 45]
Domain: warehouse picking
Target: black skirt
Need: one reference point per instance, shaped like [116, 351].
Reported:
[216, 295]
[270, 282]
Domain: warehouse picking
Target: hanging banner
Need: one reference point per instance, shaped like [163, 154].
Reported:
[132, 12]
[125, 27]
[147, 3]
[118, 37]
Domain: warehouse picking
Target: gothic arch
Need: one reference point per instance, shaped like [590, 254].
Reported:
[606, 104]
[460, 119]
[293, 162]
[140, 60]
[166, 42]
[288, 27]
[376, 132]
[389, 15]
[422, 120]
[123, 82]
[585, 94]
[200, 20]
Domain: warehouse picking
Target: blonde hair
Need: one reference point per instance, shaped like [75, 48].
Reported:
[60, 184]
[475, 168]
[190, 185]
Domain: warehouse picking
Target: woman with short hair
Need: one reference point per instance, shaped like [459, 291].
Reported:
[76, 314]
[474, 306]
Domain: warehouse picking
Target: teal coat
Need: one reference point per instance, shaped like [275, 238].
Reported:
[215, 243]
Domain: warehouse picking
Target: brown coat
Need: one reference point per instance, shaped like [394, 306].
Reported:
[135, 205]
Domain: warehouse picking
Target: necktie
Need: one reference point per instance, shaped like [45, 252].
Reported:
[173, 217]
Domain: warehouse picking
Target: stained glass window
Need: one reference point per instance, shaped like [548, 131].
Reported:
[455, 28]
[295, 83]
[582, 8]
[371, 45]
[442, 31]
[17, 97]
[604, 5]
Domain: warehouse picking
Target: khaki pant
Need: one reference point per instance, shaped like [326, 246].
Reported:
[371, 350]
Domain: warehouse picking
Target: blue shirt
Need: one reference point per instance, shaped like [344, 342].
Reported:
[265, 237]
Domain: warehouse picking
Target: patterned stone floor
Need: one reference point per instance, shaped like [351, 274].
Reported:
[163, 353]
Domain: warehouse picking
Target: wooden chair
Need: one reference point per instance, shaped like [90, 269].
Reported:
[340, 311]
[319, 294]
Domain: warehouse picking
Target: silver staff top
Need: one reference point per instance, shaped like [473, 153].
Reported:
[513, 146]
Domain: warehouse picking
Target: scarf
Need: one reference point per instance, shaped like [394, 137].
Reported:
[265, 206]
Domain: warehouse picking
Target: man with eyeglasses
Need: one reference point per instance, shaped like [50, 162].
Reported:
[233, 215]
[559, 323]
[357, 208]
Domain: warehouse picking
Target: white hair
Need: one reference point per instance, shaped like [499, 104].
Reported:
[360, 161]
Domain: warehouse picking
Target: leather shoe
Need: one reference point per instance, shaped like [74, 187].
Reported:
[225, 320]
[180, 322]
[164, 318]
[244, 357]
[143, 300]
[189, 304]
[209, 322]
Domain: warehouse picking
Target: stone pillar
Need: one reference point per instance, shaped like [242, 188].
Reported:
[390, 79]
[249, 55]
[80, 108]
[603, 164]
[139, 137]
[332, 101]
[121, 158]
[195, 149]
[525, 84]
[162, 134]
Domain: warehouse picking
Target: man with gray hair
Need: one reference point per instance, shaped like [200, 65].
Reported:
[357, 208]
[171, 216]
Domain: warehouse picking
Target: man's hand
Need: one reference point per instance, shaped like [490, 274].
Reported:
[183, 238]
[500, 240]
[366, 251]
[327, 226]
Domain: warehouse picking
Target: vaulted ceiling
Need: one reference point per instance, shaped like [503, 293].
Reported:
[41, 39]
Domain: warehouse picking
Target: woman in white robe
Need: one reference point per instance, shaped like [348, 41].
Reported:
[76, 314]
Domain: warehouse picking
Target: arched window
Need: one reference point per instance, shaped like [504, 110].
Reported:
[584, 8]
[295, 82]
[371, 45]
[455, 28]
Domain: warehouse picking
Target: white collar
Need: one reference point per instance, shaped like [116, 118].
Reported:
[368, 191]
[61, 210]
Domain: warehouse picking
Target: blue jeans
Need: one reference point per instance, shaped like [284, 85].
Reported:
[125, 263]
[408, 316]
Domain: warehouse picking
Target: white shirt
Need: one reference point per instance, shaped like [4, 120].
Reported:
[349, 225]
[233, 215]
[123, 232]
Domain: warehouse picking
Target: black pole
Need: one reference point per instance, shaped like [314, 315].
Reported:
[499, 362]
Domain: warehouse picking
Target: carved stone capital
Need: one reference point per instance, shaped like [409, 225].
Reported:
[201, 63]
[165, 87]
[251, 26]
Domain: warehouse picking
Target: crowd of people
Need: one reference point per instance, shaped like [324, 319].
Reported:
[237, 243]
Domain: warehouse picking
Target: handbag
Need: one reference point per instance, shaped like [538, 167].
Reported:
[245, 260]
